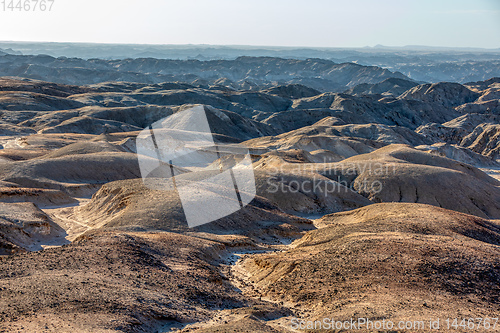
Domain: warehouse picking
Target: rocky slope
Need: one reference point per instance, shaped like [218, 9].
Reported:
[392, 261]
[24, 227]
[391, 86]
[400, 174]
[115, 282]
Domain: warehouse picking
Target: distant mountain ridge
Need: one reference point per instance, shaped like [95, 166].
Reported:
[243, 72]
[420, 63]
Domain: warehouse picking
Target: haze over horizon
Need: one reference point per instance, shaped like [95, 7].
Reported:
[255, 47]
[320, 23]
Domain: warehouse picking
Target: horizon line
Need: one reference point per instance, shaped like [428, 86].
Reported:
[377, 46]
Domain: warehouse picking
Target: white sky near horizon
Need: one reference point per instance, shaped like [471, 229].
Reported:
[315, 23]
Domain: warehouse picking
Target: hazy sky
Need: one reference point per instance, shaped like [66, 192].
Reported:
[330, 23]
